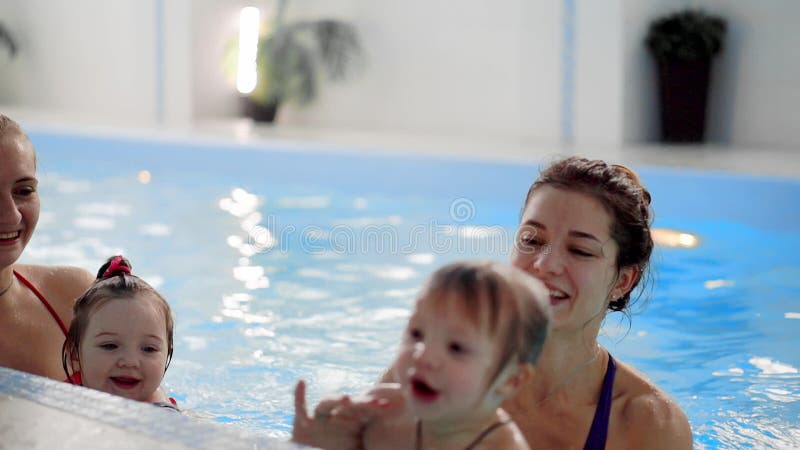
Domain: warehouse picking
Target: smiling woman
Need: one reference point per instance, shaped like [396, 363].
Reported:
[36, 300]
[585, 232]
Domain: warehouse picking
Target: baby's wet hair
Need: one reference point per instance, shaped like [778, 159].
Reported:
[114, 282]
[508, 301]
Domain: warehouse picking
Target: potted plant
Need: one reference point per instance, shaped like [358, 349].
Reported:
[683, 45]
[293, 57]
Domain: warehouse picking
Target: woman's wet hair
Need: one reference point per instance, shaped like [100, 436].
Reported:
[509, 302]
[114, 282]
[622, 194]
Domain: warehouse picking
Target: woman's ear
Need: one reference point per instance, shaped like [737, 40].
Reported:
[625, 281]
[516, 380]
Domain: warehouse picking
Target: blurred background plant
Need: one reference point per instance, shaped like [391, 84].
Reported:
[293, 58]
[7, 40]
[686, 35]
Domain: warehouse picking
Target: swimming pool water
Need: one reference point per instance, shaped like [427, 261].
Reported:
[286, 264]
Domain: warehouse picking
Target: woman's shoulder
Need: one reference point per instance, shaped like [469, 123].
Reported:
[652, 419]
[57, 283]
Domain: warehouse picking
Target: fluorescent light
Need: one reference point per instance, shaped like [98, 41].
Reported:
[246, 76]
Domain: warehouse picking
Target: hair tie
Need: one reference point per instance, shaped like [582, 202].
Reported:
[116, 266]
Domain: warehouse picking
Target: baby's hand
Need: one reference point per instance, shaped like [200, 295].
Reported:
[385, 400]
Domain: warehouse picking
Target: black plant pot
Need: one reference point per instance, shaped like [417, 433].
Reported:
[683, 89]
[258, 112]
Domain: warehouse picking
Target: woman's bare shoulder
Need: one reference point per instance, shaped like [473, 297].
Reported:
[652, 419]
[62, 284]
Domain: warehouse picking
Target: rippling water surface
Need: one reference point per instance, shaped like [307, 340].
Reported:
[283, 265]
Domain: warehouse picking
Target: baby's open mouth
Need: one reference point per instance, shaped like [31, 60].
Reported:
[423, 391]
[125, 382]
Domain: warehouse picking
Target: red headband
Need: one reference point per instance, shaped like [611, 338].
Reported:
[116, 267]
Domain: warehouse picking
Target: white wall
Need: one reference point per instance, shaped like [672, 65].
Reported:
[755, 81]
[599, 66]
[433, 66]
[176, 96]
[88, 57]
[98, 59]
[472, 68]
[759, 74]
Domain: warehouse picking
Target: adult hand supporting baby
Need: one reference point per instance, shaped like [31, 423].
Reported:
[337, 423]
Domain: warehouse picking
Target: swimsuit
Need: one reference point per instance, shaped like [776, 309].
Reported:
[43, 300]
[599, 430]
[472, 444]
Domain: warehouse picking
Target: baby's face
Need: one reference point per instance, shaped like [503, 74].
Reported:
[124, 348]
[445, 362]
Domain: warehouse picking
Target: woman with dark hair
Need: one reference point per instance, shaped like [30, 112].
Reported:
[585, 233]
[35, 301]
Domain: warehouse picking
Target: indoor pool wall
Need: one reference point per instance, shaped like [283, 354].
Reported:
[718, 332]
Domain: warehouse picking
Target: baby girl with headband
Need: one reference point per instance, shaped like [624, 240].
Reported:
[120, 339]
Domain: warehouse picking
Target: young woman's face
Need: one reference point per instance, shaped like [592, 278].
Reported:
[564, 240]
[19, 199]
[123, 350]
[445, 362]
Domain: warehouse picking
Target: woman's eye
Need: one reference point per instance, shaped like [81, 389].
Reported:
[24, 191]
[529, 237]
[581, 252]
[530, 241]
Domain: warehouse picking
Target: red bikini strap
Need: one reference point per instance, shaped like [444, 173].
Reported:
[43, 300]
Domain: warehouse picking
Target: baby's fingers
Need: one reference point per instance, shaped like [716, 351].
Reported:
[300, 409]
